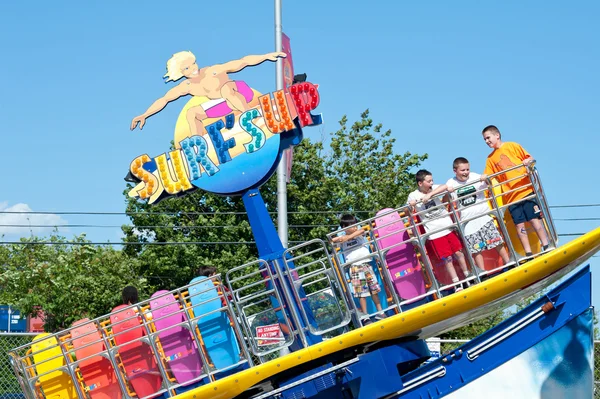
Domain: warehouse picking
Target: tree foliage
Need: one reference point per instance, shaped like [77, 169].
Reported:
[69, 280]
[365, 172]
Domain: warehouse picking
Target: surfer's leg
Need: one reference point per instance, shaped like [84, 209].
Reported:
[234, 98]
[195, 116]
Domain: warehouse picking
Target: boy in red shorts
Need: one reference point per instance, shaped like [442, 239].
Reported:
[504, 156]
[444, 243]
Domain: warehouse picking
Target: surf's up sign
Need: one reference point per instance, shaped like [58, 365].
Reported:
[237, 152]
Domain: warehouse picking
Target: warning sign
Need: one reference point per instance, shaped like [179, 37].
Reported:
[435, 349]
[269, 335]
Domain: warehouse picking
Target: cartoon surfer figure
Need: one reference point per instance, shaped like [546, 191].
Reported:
[213, 82]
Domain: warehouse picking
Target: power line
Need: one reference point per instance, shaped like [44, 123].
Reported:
[205, 226]
[163, 213]
[114, 226]
[574, 219]
[169, 242]
[149, 227]
[575, 206]
[135, 243]
[221, 213]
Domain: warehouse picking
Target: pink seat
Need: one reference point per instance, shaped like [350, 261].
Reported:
[401, 261]
[138, 359]
[178, 346]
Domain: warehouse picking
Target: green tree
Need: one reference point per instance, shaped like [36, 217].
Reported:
[364, 171]
[215, 222]
[69, 280]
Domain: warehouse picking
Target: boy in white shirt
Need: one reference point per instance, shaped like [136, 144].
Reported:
[445, 243]
[354, 247]
[466, 188]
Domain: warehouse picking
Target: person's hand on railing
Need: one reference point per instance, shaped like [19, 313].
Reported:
[339, 239]
[528, 161]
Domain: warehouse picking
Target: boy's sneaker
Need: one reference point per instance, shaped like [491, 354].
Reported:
[547, 248]
[366, 322]
[528, 257]
[380, 316]
[459, 288]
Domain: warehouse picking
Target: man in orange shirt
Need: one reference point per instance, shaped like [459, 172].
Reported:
[515, 184]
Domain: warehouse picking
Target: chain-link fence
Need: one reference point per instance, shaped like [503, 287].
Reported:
[10, 389]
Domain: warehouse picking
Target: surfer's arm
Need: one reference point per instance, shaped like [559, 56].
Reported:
[178, 91]
[249, 60]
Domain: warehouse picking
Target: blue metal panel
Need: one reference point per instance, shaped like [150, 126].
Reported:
[570, 300]
[375, 374]
[312, 387]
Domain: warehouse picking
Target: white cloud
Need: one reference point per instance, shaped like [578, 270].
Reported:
[24, 224]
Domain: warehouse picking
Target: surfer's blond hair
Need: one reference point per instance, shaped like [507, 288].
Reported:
[174, 72]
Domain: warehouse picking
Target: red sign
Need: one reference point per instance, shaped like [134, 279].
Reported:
[288, 64]
[269, 335]
[288, 80]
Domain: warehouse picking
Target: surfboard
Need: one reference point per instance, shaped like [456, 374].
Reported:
[215, 328]
[138, 359]
[57, 384]
[97, 372]
[179, 348]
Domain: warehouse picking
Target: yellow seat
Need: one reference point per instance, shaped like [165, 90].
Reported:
[55, 384]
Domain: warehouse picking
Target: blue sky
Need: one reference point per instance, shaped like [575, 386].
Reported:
[75, 74]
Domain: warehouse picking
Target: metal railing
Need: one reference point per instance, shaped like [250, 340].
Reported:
[263, 310]
[404, 232]
[172, 339]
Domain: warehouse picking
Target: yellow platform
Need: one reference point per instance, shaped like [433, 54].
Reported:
[425, 321]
